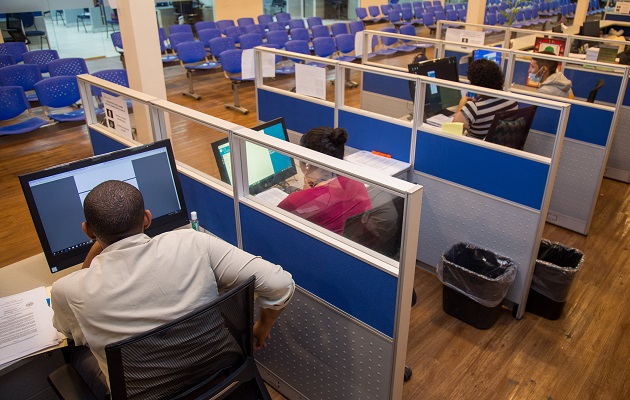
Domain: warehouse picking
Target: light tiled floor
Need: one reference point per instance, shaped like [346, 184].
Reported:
[72, 43]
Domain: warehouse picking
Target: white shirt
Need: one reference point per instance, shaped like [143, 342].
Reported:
[139, 283]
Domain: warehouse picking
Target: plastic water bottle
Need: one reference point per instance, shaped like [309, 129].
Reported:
[194, 223]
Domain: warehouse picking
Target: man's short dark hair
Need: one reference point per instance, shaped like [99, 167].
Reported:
[485, 73]
[114, 210]
[551, 65]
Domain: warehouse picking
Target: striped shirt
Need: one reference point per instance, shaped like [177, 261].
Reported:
[480, 114]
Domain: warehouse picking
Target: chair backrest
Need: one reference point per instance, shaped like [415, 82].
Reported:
[374, 11]
[406, 6]
[201, 25]
[324, 46]
[276, 26]
[510, 128]
[15, 49]
[251, 40]
[181, 37]
[314, 21]
[13, 102]
[394, 15]
[235, 32]
[116, 40]
[264, 20]
[296, 23]
[388, 41]
[6, 59]
[117, 76]
[300, 34]
[593, 93]
[345, 43]
[407, 30]
[279, 38]
[24, 75]
[224, 24]
[298, 46]
[439, 15]
[67, 67]
[40, 58]
[407, 14]
[451, 15]
[338, 28]
[190, 52]
[361, 13]
[245, 21]
[221, 44]
[428, 19]
[255, 29]
[231, 61]
[205, 35]
[320, 31]
[356, 26]
[200, 354]
[58, 91]
[462, 15]
[385, 9]
[283, 17]
[491, 19]
[183, 28]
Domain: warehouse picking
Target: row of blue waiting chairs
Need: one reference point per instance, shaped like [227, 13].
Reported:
[415, 9]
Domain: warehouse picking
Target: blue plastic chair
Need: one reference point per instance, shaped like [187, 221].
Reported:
[339, 28]
[279, 38]
[320, 31]
[255, 29]
[224, 24]
[251, 40]
[180, 37]
[24, 75]
[205, 35]
[407, 45]
[235, 32]
[362, 14]
[300, 34]
[283, 17]
[6, 60]
[298, 46]
[13, 103]
[385, 11]
[201, 25]
[67, 67]
[324, 46]
[313, 22]
[219, 45]
[40, 58]
[60, 92]
[264, 20]
[429, 21]
[245, 21]
[231, 62]
[395, 17]
[193, 57]
[276, 26]
[118, 44]
[375, 13]
[388, 43]
[15, 49]
[356, 26]
[296, 23]
[177, 28]
[117, 76]
[345, 45]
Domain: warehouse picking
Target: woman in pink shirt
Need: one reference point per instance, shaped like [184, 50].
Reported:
[327, 200]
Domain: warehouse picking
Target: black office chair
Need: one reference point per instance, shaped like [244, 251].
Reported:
[510, 128]
[593, 93]
[82, 17]
[206, 353]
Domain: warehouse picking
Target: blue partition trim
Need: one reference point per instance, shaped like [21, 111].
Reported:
[347, 283]
[102, 144]
[369, 134]
[214, 209]
[499, 174]
[299, 115]
[590, 125]
[385, 85]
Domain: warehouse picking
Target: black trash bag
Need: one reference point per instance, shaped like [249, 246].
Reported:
[478, 273]
[556, 266]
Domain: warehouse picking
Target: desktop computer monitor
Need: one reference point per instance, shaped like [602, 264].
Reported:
[590, 28]
[438, 99]
[488, 55]
[55, 197]
[266, 167]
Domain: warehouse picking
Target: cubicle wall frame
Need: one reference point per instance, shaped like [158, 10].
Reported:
[383, 319]
[458, 228]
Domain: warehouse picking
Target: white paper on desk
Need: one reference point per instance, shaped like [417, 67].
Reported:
[439, 119]
[389, 166]
[310, 81]
[248, 69]
[25, 325]
[272, 196]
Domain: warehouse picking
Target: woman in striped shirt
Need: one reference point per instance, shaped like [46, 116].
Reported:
[477, 114]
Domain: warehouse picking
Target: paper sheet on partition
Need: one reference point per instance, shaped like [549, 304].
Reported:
[465, 37]
[358, 44]
[310, 81]
[117, 115]
[25, 325]
[389, 166]
[622, 8]
[248, 69]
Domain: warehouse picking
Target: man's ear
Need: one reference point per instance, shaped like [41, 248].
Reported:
[88, 230]
[147, 219]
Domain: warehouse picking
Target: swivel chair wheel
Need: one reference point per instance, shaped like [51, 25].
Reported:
[407, 373]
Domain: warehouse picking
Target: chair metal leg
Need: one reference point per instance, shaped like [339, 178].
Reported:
[237, 105]
[191, 91]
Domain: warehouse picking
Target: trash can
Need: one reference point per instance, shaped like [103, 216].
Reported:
[556, 266]
[475, 282]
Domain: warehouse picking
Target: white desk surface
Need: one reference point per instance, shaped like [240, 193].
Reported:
[29, 274]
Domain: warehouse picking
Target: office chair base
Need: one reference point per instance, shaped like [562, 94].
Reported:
[237, 108]
[193, 95]
[351, 84]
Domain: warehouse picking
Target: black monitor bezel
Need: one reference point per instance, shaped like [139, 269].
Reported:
[264, 184]
[427, 66]
[73, 257]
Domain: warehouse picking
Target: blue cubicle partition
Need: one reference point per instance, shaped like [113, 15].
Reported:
[299, 115]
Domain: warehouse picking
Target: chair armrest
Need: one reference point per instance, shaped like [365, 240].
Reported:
[69, 385]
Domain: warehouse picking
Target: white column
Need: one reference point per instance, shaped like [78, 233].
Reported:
[580, 14]
[476, 11]
[139, 30]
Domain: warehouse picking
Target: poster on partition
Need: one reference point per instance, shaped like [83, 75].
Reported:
[117, 115]
[310, 81]
[465, 37]
[556, 46]
[248, 68]
[622, 8]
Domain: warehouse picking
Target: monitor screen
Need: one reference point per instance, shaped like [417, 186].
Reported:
[488, 55]
[438, 99]
[266, 167]
[590, 28]
[55, 197]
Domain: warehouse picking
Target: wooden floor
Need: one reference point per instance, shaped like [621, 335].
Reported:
[584, 355]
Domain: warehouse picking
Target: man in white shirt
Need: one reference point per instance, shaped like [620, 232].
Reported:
[131, 283]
